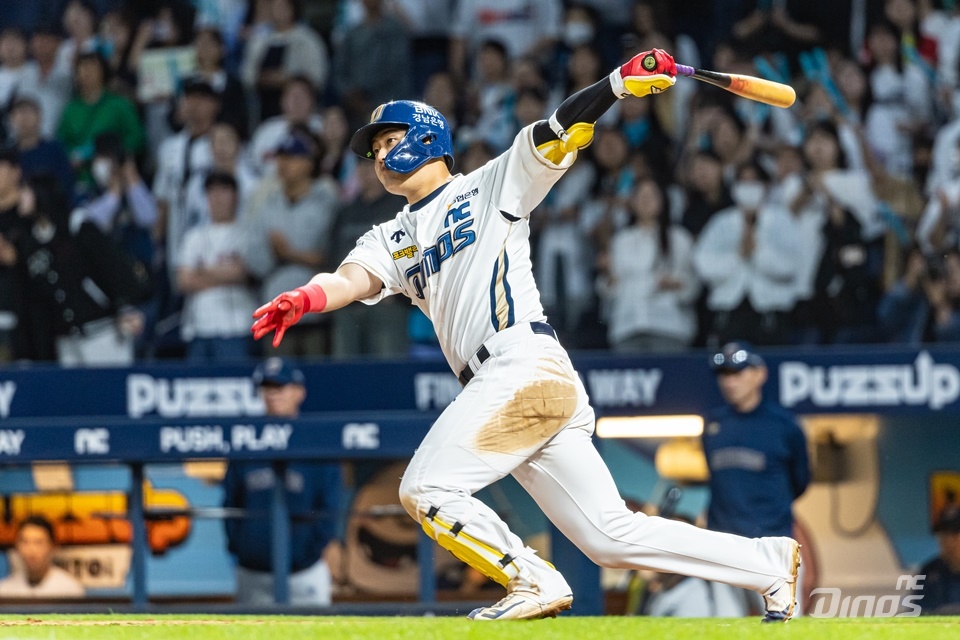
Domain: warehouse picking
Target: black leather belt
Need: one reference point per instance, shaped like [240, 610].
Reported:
[483, 354]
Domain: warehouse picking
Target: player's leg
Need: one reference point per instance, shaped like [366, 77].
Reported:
[515, 404]
[573, 486]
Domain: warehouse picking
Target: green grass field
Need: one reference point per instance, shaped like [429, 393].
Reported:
[149, 627]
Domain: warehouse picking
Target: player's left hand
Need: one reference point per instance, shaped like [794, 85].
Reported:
[649, 72]
[278, 315]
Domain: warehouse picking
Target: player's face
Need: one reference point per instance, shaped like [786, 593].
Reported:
[381, 145]
[36, 549]
[283, 400]
[741, 388]
[222, 201]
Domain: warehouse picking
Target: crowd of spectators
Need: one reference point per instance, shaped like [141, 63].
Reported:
[168, 165]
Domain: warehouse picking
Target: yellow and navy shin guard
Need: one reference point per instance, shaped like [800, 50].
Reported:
[499, 567]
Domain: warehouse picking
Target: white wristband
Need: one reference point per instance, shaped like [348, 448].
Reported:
[556, 127]
[616, 83]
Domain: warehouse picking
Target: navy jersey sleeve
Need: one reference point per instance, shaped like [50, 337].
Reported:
[800, 463]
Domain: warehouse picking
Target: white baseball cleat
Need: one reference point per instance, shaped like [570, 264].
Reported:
[522, 605]
[782, 603]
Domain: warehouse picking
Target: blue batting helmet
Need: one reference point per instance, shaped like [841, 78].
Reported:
[428, 135]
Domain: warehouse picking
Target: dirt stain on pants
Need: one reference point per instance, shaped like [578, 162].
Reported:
[536, 413]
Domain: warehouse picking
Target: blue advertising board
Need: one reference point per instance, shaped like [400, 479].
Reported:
[809, 381]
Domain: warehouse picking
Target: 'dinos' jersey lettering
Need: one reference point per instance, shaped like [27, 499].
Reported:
[462, 254]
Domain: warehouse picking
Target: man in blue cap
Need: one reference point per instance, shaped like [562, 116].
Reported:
[755, 450]
[941, 586]
[313, 497]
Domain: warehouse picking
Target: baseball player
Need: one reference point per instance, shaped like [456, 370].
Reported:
[460, 251]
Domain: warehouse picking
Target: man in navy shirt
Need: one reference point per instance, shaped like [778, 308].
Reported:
[941, 584]
[756, 452]
[313, 497]
[39, 155]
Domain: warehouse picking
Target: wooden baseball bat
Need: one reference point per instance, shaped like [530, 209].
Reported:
[759, 89]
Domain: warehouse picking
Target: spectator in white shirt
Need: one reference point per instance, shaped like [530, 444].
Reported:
[14, 66]
[901, 100]
[525, 27]
[36, 575]
[180, 158]
[49, 83]
[298, 107]
[492, 95]
[291, 48]
[80, 24]
[213, 277]
[226, 156]
[748, 257]
[650, 286]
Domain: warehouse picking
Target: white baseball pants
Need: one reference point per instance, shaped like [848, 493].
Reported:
[526, 413]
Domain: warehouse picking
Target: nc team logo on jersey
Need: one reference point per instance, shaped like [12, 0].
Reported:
[459, 235]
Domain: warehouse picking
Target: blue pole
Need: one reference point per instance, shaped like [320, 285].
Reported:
[280, 534]
[138, 562]
[428, 585]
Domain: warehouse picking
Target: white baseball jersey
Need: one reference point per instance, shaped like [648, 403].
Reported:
[462, 254]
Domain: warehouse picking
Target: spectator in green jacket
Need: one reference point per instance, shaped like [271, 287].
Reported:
[92, 111]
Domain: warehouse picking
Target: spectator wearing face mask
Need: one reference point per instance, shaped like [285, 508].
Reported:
[579, 30]
[748, 257]
[124, 208]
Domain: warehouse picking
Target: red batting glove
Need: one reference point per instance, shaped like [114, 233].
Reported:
[285, 310]
[649, 72]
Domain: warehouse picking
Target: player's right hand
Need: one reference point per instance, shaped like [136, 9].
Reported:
[649, 72]
[278, 315]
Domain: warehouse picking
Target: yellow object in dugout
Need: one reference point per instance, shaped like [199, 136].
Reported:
[682, 460]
